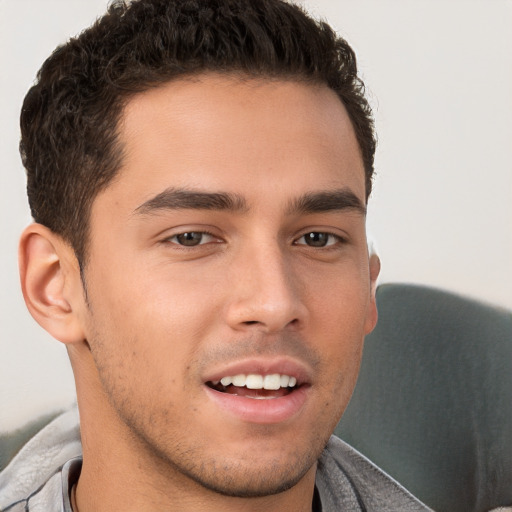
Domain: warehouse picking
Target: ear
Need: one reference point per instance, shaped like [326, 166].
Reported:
[51, 284]
[372, 315]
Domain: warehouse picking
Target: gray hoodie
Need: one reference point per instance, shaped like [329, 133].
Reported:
[39, 478]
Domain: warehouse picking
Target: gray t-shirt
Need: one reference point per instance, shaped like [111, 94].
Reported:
[345, 481]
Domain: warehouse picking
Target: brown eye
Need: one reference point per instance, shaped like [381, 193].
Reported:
[317, 239]
[190, 239]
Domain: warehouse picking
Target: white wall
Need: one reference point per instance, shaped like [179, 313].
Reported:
[440, 73]
[440, 78]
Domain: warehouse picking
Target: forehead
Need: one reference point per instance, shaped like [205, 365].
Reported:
[229, 133]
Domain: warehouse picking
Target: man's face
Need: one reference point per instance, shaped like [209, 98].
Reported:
[230, 254]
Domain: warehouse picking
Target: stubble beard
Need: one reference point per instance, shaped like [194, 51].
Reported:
[151, 434]
[226, 477]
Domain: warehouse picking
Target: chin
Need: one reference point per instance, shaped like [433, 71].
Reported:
[243, 482]
[250, 470]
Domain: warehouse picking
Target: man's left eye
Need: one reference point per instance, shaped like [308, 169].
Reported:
[191, 238]
[318, 239]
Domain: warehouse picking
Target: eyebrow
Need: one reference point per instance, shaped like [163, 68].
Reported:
[182, 199]
[328, 200]
[309, 203]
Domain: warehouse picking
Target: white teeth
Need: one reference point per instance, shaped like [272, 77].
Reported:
[257, 381]
[238, 381]
[272, 381]
[226, 381]
[253, 381]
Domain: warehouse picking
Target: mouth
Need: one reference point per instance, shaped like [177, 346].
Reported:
[256, 386]
[260, 391]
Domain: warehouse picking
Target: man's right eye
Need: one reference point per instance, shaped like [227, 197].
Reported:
[191, 238]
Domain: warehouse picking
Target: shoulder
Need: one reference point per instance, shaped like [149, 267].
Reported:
[38, 473]
[346, 478]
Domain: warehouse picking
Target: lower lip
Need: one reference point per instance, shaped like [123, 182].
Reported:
[263, 411]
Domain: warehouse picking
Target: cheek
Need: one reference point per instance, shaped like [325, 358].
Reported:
[339, 303]
[338, 322]
[150, 328]
[154, 298]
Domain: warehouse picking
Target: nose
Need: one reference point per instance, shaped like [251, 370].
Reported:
[265, 293]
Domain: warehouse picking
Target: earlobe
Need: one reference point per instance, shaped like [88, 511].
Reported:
[372, 315]
[48, 280]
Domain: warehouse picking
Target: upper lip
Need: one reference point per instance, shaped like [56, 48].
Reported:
[262, 366]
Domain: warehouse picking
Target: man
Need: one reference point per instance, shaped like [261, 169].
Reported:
[198, 173]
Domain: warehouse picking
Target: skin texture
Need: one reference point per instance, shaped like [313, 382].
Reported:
[159, 319]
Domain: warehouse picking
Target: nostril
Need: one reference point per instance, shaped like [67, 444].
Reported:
[292, 323]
